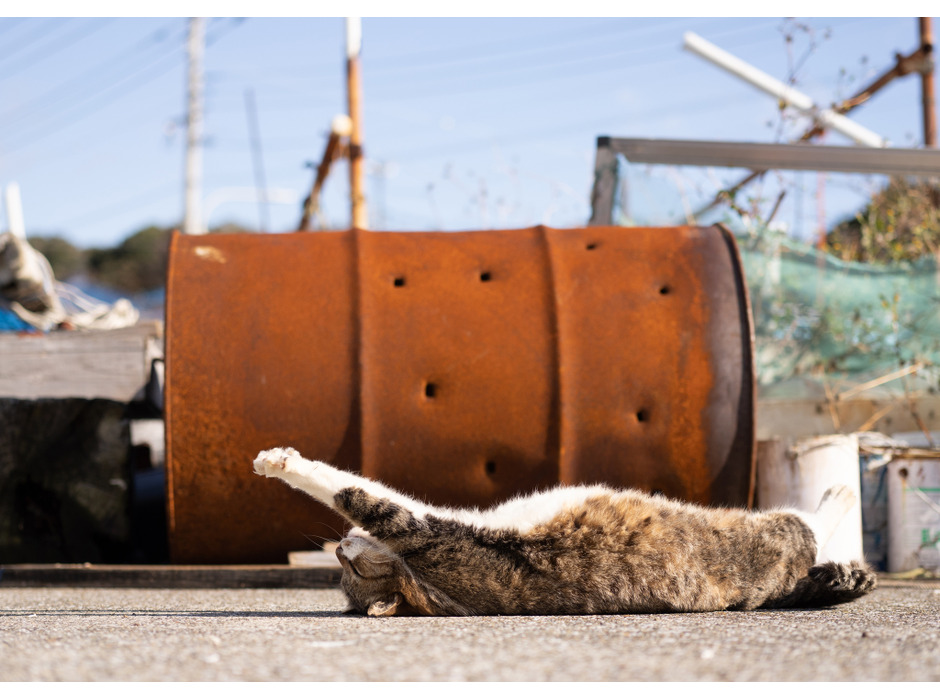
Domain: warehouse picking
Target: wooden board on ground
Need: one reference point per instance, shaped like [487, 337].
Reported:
[114, 364]
[325, 575]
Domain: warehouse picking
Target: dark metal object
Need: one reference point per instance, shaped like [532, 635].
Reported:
[463, 368]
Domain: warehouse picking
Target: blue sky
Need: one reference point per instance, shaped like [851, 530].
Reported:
[468, 123]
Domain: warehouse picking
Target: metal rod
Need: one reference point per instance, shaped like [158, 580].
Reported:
[605, 180]
[15, 211]
[330, 154]
[781, 156]
[785, 93]
[903, 66]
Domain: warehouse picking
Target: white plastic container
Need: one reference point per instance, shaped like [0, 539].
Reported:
[913, 515]
[914, 509]
[797, 476]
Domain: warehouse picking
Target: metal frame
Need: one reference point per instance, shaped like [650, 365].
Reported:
[912, 162]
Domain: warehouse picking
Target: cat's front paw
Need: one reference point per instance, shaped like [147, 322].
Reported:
[274, 462]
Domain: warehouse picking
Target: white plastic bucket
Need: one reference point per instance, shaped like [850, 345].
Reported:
[797, 477]
[913, 515]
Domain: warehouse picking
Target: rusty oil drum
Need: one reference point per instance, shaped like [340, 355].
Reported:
[462, 368]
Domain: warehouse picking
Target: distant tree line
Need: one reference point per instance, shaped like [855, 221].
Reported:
[136, 264]
[901, 222]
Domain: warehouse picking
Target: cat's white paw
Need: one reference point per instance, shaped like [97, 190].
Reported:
[273, 462]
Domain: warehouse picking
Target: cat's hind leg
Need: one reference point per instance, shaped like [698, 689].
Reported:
[828, 584]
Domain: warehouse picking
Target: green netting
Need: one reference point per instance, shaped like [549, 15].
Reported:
[818, 319]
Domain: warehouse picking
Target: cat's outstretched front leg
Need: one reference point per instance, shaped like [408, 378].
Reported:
[317, 479]
[377, 508]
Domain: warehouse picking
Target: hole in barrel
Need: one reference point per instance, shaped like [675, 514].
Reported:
[485, 276]
[490, 467]
[642, 415]
[430, 390]
[399, 282]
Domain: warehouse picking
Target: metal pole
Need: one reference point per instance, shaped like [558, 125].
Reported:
[785, 93]
[903, 66]
[927, 83]
[192, 215]
[605, 182]
[15, 211]
[354, 93]
[341, 128]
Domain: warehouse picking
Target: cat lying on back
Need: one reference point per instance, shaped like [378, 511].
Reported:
[572, 550]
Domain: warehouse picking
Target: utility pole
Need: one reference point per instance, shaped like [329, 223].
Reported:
[192, 215]
[927, 84]
[357, 196]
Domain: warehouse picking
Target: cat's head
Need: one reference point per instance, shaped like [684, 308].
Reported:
[377, 581]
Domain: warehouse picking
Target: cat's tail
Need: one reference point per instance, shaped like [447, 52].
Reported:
[828, 584]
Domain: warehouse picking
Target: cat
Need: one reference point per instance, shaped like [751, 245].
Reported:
[572, 550]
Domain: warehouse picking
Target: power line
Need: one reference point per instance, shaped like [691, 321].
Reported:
[30, 37]
[481, 52]
[609, 62]
[44, 52]
[443, 151]
[113, 91]
[76, 85]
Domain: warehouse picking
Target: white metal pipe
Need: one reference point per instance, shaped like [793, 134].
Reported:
[15, 211]
[353, 37]
[785, 93]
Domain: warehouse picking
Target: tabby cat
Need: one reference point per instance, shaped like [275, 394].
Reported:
[572, 550]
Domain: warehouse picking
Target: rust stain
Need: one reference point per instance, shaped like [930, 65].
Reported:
[461, 367]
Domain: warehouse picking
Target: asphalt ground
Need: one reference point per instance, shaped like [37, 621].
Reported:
[112, 634]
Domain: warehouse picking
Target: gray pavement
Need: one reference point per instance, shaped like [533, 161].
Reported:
[97, 634]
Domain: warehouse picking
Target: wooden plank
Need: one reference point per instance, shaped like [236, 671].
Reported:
[113, 364]
[326, 575]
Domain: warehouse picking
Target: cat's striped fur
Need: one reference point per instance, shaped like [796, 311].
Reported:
[572, 550]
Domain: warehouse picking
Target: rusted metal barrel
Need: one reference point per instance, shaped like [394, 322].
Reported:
[463, 368]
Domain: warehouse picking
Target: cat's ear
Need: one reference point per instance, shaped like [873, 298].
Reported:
[385, 607]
